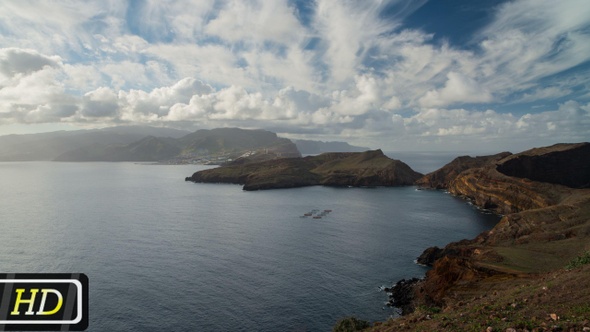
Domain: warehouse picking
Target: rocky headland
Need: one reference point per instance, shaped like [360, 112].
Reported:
[513, 277]
[356, 169]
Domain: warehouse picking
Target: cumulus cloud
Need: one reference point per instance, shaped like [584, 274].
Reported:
[29, 84]
[15, 61]
[458, 89]
[139, 105]
[102, 102]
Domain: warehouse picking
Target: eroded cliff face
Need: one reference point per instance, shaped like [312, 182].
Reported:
[544, 224]
[507, 183]
[490, 189]
[448, 272]
[564, 164]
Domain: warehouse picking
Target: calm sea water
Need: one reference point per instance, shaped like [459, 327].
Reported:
[163, 254]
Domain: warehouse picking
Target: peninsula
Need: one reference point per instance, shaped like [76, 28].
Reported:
[530, 272]
[356, 169]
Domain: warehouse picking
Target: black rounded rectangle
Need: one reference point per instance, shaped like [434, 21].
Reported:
[43, 302]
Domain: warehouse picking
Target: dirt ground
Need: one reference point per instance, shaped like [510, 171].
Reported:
[552, 301]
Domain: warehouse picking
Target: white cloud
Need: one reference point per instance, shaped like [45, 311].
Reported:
[530, 40]
[365, 96]
[348, 30]
[181, 20]
[29, 82]
[392, 104]
[127, 44]
[540, 94]
[15, 61]
[342, 70]
[102, 102]
[81, 77]
[214, 64]
[60, 28]
[126, 72]
[156, 105]
[256, 21]
[458, 89]
[291, 69]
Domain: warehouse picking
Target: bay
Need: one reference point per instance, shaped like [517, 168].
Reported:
[163, 254]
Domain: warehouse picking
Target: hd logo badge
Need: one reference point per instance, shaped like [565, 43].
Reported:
[43, 302]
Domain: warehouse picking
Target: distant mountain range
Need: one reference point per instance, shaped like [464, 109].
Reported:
[151, 144]
[48, 146]
[214, 146]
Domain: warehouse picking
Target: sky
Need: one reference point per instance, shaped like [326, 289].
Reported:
[401, 75]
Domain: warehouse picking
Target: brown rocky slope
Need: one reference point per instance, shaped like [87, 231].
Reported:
[479, 284]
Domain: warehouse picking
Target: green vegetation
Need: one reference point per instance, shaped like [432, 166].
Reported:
[351, 324]
[429, 309]
[579, 261]
[538, 257]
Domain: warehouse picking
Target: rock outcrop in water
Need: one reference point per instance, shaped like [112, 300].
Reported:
[543, 194]
[401, 295]
[362, 169]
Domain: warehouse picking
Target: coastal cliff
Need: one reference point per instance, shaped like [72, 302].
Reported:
[441, 178]
[356, 169]
[565, 164]
[513, 276]
[533, 179]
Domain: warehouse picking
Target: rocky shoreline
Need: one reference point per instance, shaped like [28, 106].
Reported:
[498, 281]
[544, 195]
[401, 295]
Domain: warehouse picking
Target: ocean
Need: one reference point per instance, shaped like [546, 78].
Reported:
[163, 254]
